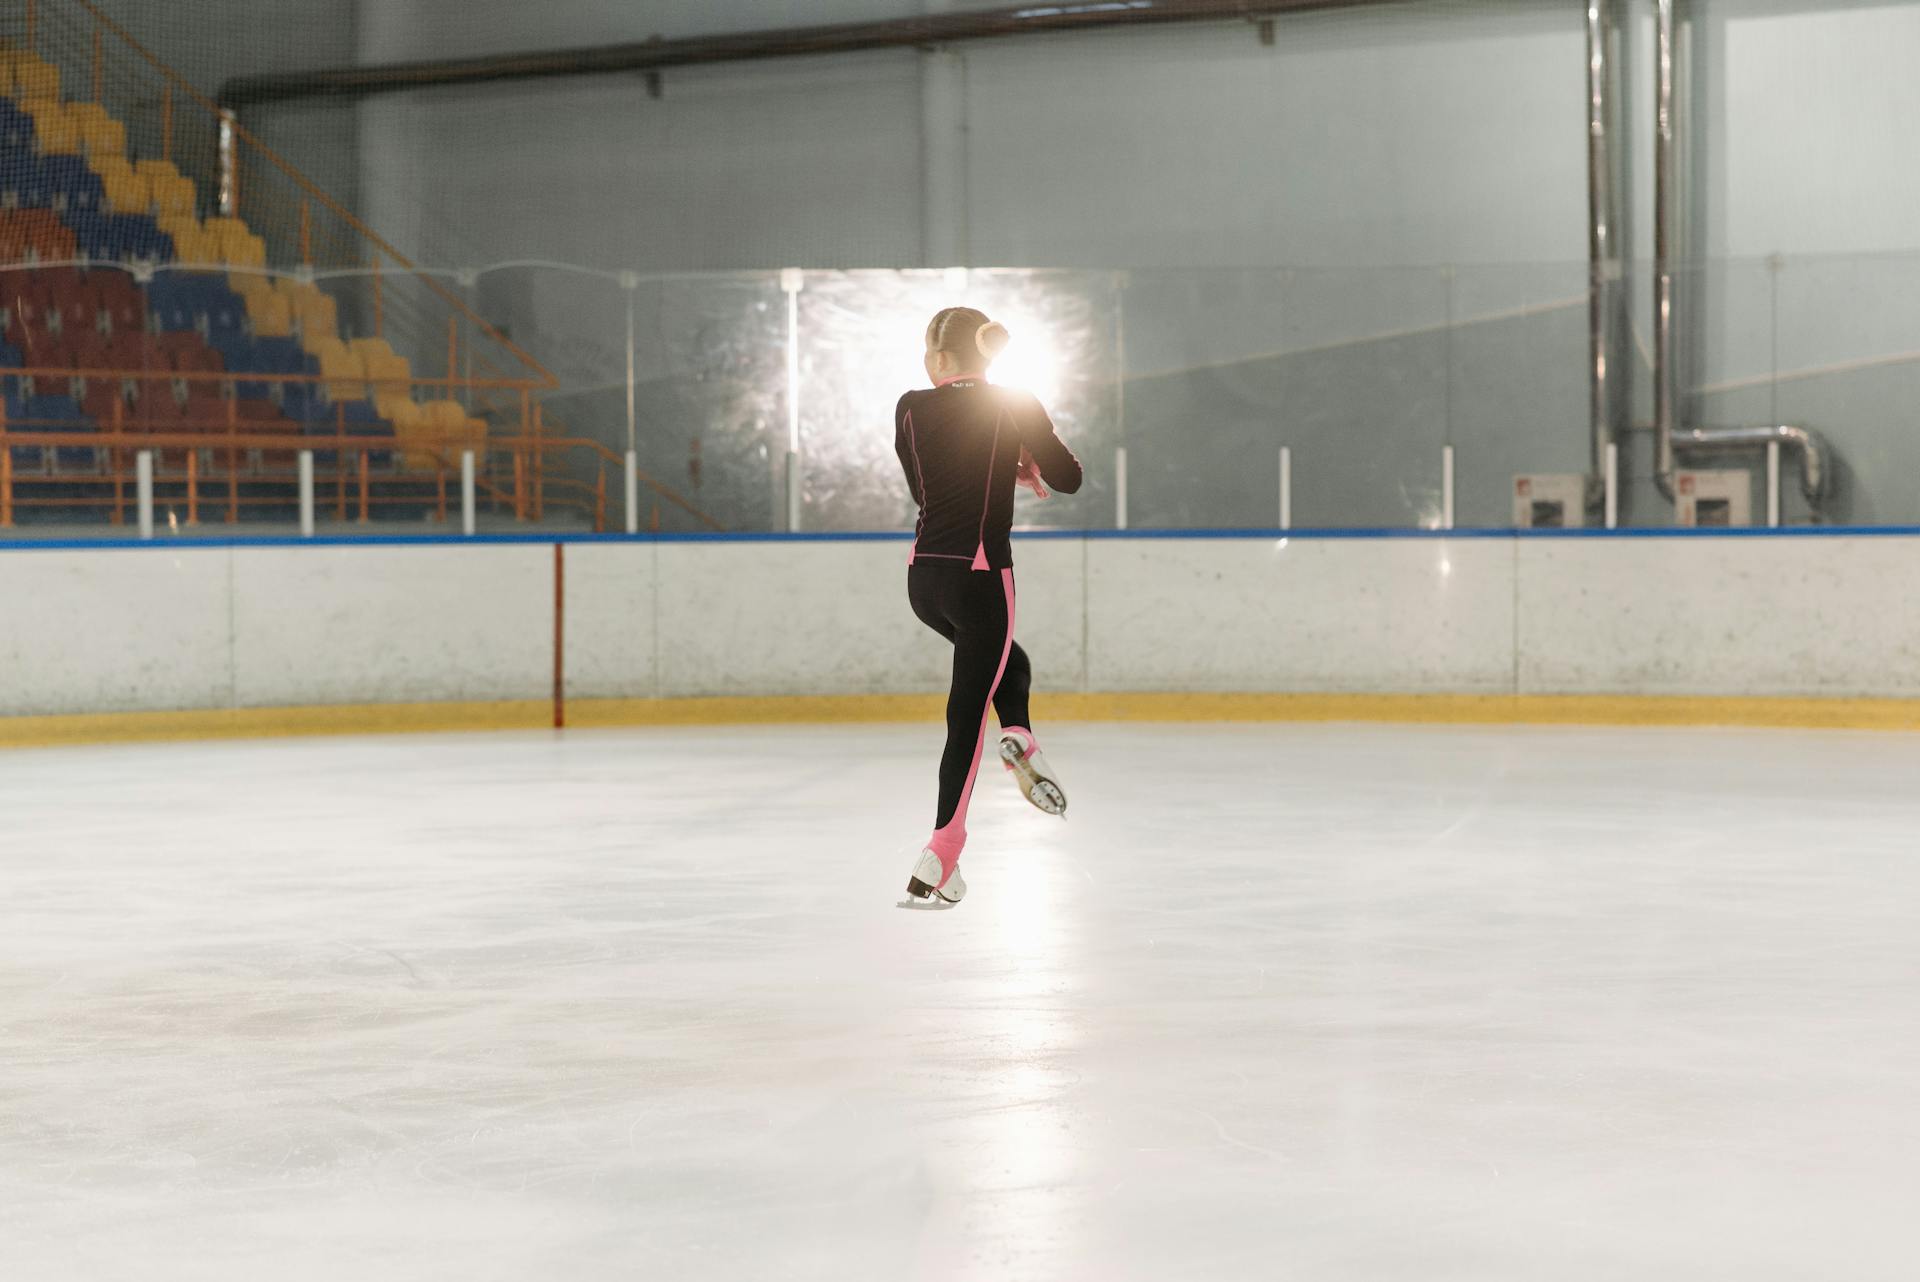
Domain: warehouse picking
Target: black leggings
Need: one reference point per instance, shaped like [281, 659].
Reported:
[974, 610]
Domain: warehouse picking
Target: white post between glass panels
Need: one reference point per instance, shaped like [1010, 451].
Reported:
[1120, 488]
[633, 492]
[630, 281]
[1446, 487]
[1612, 481]
[793, 280]
[143, 470]
[1286, 487]
[466, 492]
[306, 494]
[1773, 484]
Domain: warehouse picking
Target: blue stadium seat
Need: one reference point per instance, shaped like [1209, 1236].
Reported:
[177, 300]
[70, 185]
[226, 314]
[54, 414]
[132, 236]
[92, 233]
[16, 129]
[29, 457]
[24, 185]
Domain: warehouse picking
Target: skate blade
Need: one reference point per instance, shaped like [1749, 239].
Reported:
[1043, 793]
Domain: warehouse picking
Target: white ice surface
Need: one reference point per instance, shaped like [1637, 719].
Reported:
[1361, 1003]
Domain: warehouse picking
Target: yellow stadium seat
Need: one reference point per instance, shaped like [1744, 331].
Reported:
[103, 137]
[194, 248]
[318, 319]
[244, 251]
[176, 195]
[390, 375]
[271, 315]
[156, 168]
[175, 224]
[57, 133]
[249, 285]
[110, 166]
[226, 227]
[346, 376]
[371, 347]
[405, 414]
[126, 193]
[34, 80]
[449, 417]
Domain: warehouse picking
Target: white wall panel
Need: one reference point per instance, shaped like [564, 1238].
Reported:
[792, 618]
[1768, 616]
[108, 631]
[610, 621]
[390, 624]
[1307, 615]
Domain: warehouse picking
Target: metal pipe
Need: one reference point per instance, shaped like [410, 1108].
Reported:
[1663, 210]
[656, 54]
[1815, 453]
[1602, 215]
[1669, 437]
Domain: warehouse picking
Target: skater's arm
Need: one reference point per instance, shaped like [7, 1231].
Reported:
[1058, 466]
[903, 448]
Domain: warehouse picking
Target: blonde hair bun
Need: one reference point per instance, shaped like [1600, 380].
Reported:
[992, 339]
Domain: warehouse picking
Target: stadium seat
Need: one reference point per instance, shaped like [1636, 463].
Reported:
[390, 375]
[35, 80]
[345, 374]
[26, 458]
[315, 313]
[100, 133]
[272, 314]
[69, 185]
[122, 308]
[126, 190]
[55, 132]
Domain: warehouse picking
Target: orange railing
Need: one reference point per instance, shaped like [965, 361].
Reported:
[207, 466]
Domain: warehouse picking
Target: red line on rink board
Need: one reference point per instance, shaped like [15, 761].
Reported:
[559, 636]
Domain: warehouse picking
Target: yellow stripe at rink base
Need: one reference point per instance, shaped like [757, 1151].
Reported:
[537, 714]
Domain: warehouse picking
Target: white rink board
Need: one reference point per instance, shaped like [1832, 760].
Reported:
[391, 624]
[610, 634]
[1301, 614]
[103, 631]
[791, 619]
[141, 629]
[1834, 616]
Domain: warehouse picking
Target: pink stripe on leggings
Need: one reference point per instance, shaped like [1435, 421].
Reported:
[949, 841]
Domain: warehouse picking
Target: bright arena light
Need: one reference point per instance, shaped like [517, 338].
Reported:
[1029, 363]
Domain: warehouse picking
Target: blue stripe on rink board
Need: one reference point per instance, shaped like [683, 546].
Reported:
[903, 536]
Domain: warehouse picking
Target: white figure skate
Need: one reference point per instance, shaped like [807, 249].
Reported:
[930, 878]
[1037, 781]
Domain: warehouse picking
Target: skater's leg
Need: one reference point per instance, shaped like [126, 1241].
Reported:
[1010, 700]
[983, 640]
[1019, 752]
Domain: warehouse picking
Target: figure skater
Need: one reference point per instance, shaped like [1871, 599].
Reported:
[964, 445]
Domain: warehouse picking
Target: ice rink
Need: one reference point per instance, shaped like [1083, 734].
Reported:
[1365, 1003]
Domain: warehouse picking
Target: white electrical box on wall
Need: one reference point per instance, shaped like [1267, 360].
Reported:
[1550, 501]
[1723, 498]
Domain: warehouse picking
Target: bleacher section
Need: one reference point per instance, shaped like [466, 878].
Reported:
[107, 264]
